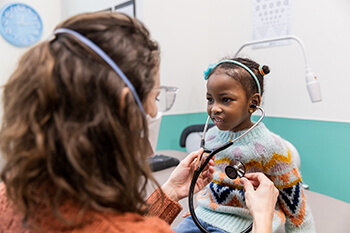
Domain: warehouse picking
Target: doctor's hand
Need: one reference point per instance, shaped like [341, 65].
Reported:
[178, 184]
[261, 197]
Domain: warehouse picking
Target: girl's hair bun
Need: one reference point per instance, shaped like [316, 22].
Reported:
[266, 69]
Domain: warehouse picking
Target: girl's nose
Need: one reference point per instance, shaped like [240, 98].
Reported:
[216, 109]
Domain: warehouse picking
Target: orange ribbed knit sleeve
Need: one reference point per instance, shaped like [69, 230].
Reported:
[163, 207]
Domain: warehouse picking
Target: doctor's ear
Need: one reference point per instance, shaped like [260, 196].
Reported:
[125, 92]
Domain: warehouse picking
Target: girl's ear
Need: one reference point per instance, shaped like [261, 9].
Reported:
[125, 92]
[254, 100]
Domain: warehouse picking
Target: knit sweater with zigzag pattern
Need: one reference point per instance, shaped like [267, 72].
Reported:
[222, 202]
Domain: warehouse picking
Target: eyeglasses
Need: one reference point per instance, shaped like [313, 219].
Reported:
[166, 98]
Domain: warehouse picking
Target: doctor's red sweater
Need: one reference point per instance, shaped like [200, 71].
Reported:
[161, 214]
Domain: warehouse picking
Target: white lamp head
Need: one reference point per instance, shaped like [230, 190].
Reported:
[313, 86]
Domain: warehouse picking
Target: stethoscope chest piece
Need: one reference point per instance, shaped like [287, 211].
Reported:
[235, 169]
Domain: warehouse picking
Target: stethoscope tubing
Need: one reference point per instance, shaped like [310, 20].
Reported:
[196, 174]
[201, 167]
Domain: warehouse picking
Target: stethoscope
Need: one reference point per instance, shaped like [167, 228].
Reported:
[233, 170]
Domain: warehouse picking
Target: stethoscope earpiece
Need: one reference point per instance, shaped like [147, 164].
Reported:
[253, 106]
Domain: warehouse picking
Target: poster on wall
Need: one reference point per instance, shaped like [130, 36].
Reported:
[271, 19]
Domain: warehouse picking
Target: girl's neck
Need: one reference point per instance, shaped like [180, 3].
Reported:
[242, 126]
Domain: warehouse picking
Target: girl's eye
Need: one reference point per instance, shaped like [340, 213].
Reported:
[225, 100]
[210, 100]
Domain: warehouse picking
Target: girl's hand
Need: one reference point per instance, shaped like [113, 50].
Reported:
[178, 184]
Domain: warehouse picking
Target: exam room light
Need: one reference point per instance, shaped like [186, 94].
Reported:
[312, 83]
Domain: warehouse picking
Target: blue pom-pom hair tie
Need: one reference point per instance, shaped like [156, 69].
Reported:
[208, 70]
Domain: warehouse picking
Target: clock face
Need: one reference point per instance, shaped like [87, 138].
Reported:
[20, 24]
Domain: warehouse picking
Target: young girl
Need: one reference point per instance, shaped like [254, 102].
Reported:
[233, 88]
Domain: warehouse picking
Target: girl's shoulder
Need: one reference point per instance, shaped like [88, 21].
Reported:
[264, 142]
[273, 143]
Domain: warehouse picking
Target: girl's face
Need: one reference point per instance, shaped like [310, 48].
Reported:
[228, 105]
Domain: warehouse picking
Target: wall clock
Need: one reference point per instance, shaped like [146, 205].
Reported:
[20, 24]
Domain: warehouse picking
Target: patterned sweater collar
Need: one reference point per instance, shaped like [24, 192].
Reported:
[225, 136]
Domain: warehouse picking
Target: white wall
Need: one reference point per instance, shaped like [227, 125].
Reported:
[324, 27]
[195, 33]
[73, 7]
[182, 29]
